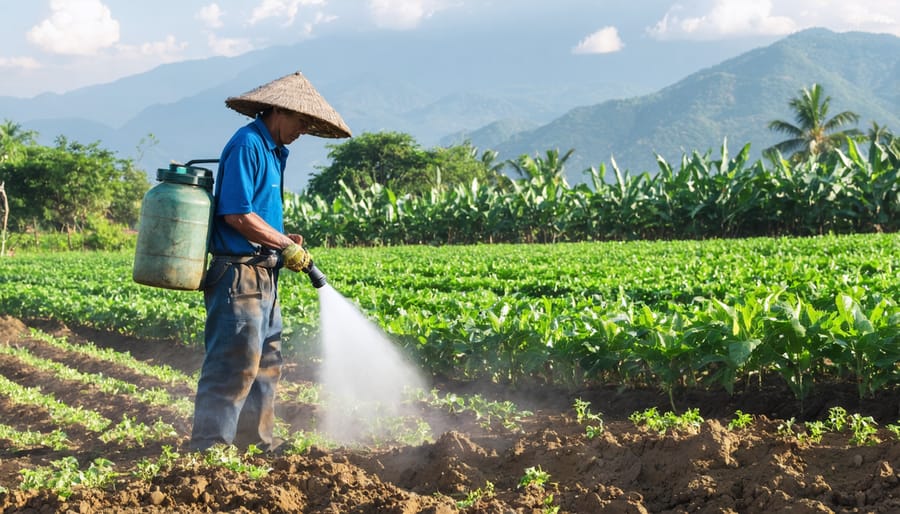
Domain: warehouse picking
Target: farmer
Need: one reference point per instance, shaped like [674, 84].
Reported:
[236, 393]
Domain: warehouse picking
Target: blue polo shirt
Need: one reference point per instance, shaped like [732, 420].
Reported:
[250, 179]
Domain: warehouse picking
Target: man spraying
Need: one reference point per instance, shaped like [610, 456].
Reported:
[235, 401]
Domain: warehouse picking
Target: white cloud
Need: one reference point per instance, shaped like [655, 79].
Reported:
[865, 15]
[228, 47]
[604, 41]
[284, 9]
[210, 15]
[167, 50]
[76, 27]
[403, 14]
[319, 19]
[721, 19]
[724, 18]
[22, 63]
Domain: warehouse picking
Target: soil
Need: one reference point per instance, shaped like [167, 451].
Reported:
[624, 469]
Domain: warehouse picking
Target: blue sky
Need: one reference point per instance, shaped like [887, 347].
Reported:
[60, 45]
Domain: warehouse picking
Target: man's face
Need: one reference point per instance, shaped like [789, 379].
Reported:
[287, 126]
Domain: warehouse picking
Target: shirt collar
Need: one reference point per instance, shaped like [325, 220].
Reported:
[267, 137]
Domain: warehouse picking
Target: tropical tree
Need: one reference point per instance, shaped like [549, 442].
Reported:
[396, 161]
[12, 139]
[551, 169]
[814, 134]
[71, 185]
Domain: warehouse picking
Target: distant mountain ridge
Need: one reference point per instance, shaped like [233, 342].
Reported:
[513, 101]
[734, 100]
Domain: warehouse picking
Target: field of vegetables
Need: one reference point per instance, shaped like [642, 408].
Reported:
[714, 376]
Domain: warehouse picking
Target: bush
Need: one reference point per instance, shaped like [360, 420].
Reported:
[105, 235]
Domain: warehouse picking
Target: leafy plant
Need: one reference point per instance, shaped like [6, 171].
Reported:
[583, 414]
[473, 497]
[228, 457]
[740, 421]
[146, 469]
[63, 476]
[536, 476]
[815, 430]
[864, 429]
[661, 423]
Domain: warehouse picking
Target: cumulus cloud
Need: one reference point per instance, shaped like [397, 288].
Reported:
[166, 50]
[76, 27]
[210, 15]
[282, 9]
[604, 41]
[721, 19]
[403, 14]
[22, 63]
[318, 19]
[228, 47]
[866, 15]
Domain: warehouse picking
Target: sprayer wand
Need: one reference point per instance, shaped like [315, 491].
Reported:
[315, 276]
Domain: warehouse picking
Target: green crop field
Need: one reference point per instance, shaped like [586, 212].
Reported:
[672, 315]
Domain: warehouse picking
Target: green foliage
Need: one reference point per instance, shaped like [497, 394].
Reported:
[131, 434]
[534, 476]
[671, 315]
[146, 468]
[700, 198]
[486, 412]
[65, 185]
[477, 495]
[64, 476]
[690, 420]
[740, 421]
[593, 421]
[395, 161]
[81, 190]
[228, 457]
[815, 134]
[103, 234]
[20, 440]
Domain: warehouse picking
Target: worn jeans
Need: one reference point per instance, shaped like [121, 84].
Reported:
[235, 401]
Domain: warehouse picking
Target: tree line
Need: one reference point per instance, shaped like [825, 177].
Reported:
[81, 190]
[384, 188]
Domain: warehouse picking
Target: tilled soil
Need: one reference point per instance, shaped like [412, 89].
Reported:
[624, 469]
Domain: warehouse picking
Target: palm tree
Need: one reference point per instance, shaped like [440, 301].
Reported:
[552, 169]
[814, 134]
[13, 137]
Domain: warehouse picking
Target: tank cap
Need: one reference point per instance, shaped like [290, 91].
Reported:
[191, 175]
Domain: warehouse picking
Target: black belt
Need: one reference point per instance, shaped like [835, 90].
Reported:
[272, 260]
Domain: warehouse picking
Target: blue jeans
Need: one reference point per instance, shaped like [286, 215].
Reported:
[235, 401]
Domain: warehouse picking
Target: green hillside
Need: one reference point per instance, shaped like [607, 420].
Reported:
[735, 100]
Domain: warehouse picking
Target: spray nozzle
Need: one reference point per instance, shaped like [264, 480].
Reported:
[296, 258]
[315, 275]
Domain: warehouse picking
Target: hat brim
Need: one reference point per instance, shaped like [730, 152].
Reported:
[294, 93]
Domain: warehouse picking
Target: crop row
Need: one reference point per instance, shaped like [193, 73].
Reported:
[700, 197]
[666, 314]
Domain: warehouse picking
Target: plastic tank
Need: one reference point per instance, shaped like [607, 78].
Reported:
[174, 229]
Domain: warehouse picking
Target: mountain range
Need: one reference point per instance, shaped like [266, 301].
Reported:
[511, 99]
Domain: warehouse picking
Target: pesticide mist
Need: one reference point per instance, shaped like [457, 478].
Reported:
[366, 380]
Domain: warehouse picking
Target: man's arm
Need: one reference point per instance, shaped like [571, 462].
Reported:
[256, 230]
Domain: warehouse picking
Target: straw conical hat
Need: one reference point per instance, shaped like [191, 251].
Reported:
[293, 92]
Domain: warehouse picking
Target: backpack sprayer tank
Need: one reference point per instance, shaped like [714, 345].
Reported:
[174, 230]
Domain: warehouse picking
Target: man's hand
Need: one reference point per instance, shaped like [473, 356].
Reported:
[295, 257]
